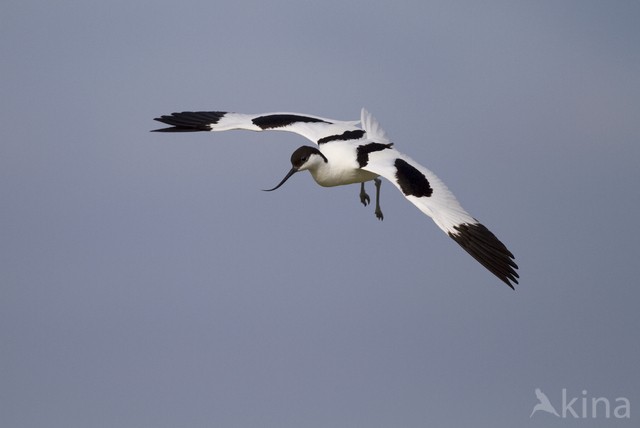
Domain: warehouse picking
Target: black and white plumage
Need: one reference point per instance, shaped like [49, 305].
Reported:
[348, 154]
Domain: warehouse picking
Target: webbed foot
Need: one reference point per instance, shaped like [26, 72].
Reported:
[364, 198]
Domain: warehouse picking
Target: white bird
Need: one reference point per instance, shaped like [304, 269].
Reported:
[347, 154]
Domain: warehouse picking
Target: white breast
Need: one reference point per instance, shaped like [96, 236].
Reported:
[341, 167]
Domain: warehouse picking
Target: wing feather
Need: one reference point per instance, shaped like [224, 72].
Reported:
[314, 128]
[427, 192]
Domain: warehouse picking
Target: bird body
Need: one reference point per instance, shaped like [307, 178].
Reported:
[347, 154]
[341, 167]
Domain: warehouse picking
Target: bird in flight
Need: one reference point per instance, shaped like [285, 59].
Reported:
[347, 154]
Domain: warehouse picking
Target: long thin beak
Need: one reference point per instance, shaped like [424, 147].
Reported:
[293, 171]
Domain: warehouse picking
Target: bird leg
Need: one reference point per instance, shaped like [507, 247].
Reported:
[378, 211]
[364, 198]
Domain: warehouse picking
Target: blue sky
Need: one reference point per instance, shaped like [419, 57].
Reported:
[146, 280]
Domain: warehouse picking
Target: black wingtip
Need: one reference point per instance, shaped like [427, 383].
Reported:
[483, 246]
[178, 129]
[190, 121]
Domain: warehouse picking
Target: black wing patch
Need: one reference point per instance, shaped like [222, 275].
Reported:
[411, 181]
[345, 136]
[364, 150]
[282, 120]
[483, 246]
[190, 121]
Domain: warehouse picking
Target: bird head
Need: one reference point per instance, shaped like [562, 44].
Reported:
[303, 158]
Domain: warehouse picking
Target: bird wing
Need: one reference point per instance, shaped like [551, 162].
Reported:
[317, 129]
[426, 191]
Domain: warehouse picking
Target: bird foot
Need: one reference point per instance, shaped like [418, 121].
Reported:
[364, 198]
[379, 214]
[378, 210]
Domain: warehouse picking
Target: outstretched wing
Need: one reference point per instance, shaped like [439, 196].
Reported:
[317, 129]
[426, 191]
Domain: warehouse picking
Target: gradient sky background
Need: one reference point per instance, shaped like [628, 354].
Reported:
[146, 281]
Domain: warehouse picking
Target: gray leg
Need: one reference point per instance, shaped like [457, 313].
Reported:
[378, 211]
[364, 198]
